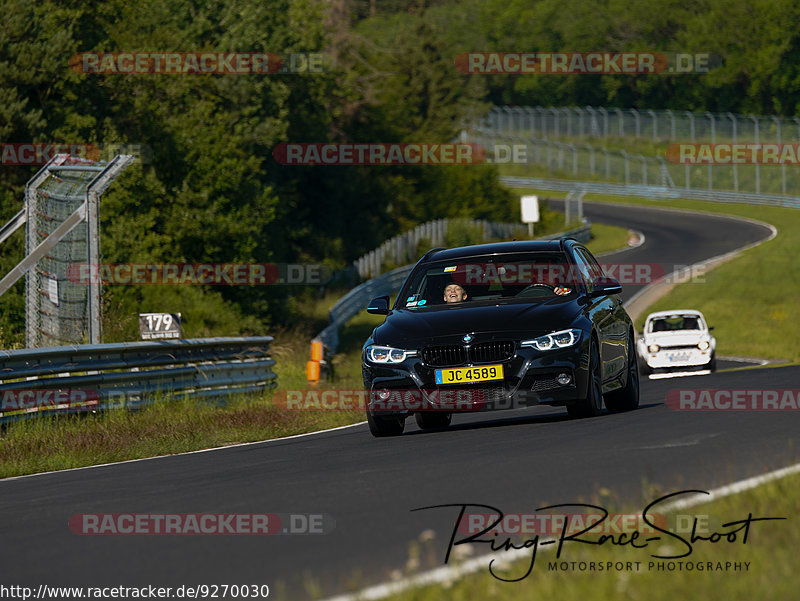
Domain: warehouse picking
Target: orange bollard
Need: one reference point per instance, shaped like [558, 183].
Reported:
[312, 372]
[316, 351]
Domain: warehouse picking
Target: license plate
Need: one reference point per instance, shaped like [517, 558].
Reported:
[466, 375]
[678, 356]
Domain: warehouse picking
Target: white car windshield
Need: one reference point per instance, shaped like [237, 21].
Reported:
[675, 323]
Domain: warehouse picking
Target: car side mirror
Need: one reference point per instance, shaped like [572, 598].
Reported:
[710, 328]
[379, 306]
[604, 285]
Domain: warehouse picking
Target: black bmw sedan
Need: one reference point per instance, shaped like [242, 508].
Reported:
[498, 326]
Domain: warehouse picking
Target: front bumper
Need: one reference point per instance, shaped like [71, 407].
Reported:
[673, 358]
[530, 378]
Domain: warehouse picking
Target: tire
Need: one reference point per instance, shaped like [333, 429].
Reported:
[385, 426]
[644, 368]
[627, 397]
[433, 420]
[592, 404]
[712, 365]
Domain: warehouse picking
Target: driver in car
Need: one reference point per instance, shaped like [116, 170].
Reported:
[453, 293]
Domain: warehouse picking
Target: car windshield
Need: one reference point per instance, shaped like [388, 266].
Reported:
[674, 323]
[508, 278]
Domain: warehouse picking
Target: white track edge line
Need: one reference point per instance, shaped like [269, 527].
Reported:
[448, 574]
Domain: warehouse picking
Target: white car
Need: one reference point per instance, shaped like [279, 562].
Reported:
[673, 339]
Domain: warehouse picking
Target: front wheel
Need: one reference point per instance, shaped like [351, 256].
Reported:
[381, 426]
[626, 398]
[592, 404]
[712, 365]
[644, 368]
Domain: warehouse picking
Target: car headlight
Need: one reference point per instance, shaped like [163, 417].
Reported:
[387, 354]
[703, 345]
[556, 340]
[653, 348]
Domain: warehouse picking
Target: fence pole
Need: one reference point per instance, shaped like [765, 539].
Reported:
[627, 167]
[713, 139]
[783, 165]
[574, 159]
[758, 183]
[604, 112]
[555, 113]
[531, 114]
[655, 124]
[637, 126]
[734, 122]
[671, 124]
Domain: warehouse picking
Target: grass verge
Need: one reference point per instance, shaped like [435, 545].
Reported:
[769, 551]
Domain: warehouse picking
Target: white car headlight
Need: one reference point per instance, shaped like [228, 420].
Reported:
[556, 340]
[703, 345]
[387, 354]
[653, 348]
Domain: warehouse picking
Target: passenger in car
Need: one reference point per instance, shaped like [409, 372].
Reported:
[453, 293]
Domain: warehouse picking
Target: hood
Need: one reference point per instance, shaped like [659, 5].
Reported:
[680, 338]
[412, 327]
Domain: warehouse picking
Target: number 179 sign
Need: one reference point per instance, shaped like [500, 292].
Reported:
[159, 325]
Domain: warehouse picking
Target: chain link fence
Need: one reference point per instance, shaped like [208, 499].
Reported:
[554, 139]
[658, 126]
[61, 218]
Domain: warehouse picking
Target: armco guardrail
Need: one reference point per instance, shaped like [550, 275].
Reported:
[387, 284]
[130, 374]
